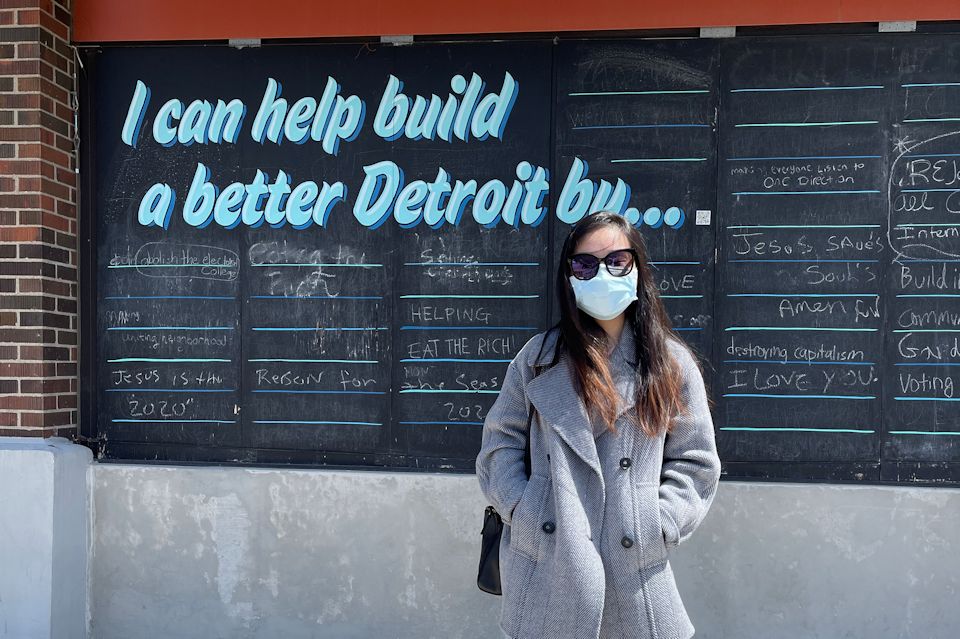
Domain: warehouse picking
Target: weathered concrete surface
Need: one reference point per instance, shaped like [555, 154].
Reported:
[817, 561]
[230, 552]
[44, 538]
[227, 552]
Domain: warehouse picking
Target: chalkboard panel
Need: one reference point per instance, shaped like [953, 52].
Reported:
[797, 195]
[801, 174]
[168, 311]
[922, 192]
[644, 112]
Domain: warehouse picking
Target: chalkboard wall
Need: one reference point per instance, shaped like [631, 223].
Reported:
[799, 195]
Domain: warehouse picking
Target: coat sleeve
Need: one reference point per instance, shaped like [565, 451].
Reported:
[690, 471]
[500, 465]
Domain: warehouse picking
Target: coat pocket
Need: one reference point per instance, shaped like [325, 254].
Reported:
[663, 531]
[526, 517]
[650, 525]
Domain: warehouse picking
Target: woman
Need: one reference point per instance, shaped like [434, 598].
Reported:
[623, 456]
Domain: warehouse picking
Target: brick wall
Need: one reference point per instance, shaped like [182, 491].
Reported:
[38, 220]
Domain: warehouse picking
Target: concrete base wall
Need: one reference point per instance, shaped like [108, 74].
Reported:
[231, 552]
[203, 552]
[235, 552]
[44, 540]
[819, 561]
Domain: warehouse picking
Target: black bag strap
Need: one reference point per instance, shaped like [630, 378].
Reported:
[527, 462]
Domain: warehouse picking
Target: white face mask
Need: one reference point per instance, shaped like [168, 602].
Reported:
[605, 296]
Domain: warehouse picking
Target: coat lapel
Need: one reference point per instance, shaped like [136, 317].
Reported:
[554, 395]
[556, 399]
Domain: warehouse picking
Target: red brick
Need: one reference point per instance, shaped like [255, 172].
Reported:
[28, 302]
[40, 269]
[27, 335]
[43, 252]
[19, 134]
[38, 386]
[22, 4]
[21, 34]
[55, 221]
[20, 200]
[45, 419]
[61, 142]
[50, 320]
[19, 67]
[25, 402]
[66, 273]
[49, 353]
[65, 305]
[29, 183]
[23, 432]
[47, 286]
[19, 167]
[19, 100]
[64, 112]
[29, 151]
[28, 369]
[29, 218]
[29, 50]
[67, 209]
[29, 16]
[48, 170]
[65, 176]
[29, 83]
[19, 234]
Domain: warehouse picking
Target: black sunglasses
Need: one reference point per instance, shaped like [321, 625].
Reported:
[585, 266]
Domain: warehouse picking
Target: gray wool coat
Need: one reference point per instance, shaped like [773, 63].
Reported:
[585, 552]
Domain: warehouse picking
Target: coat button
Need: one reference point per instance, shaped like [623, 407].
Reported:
[625, 462]
[548, 527]
[626, 542]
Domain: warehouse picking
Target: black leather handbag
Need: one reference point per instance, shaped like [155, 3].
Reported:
[488, 576]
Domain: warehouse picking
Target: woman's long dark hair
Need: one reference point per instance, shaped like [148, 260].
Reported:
[659, 380]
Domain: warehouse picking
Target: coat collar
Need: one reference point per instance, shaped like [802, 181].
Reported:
[553, 393]
[626, 345]
[558, 404]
